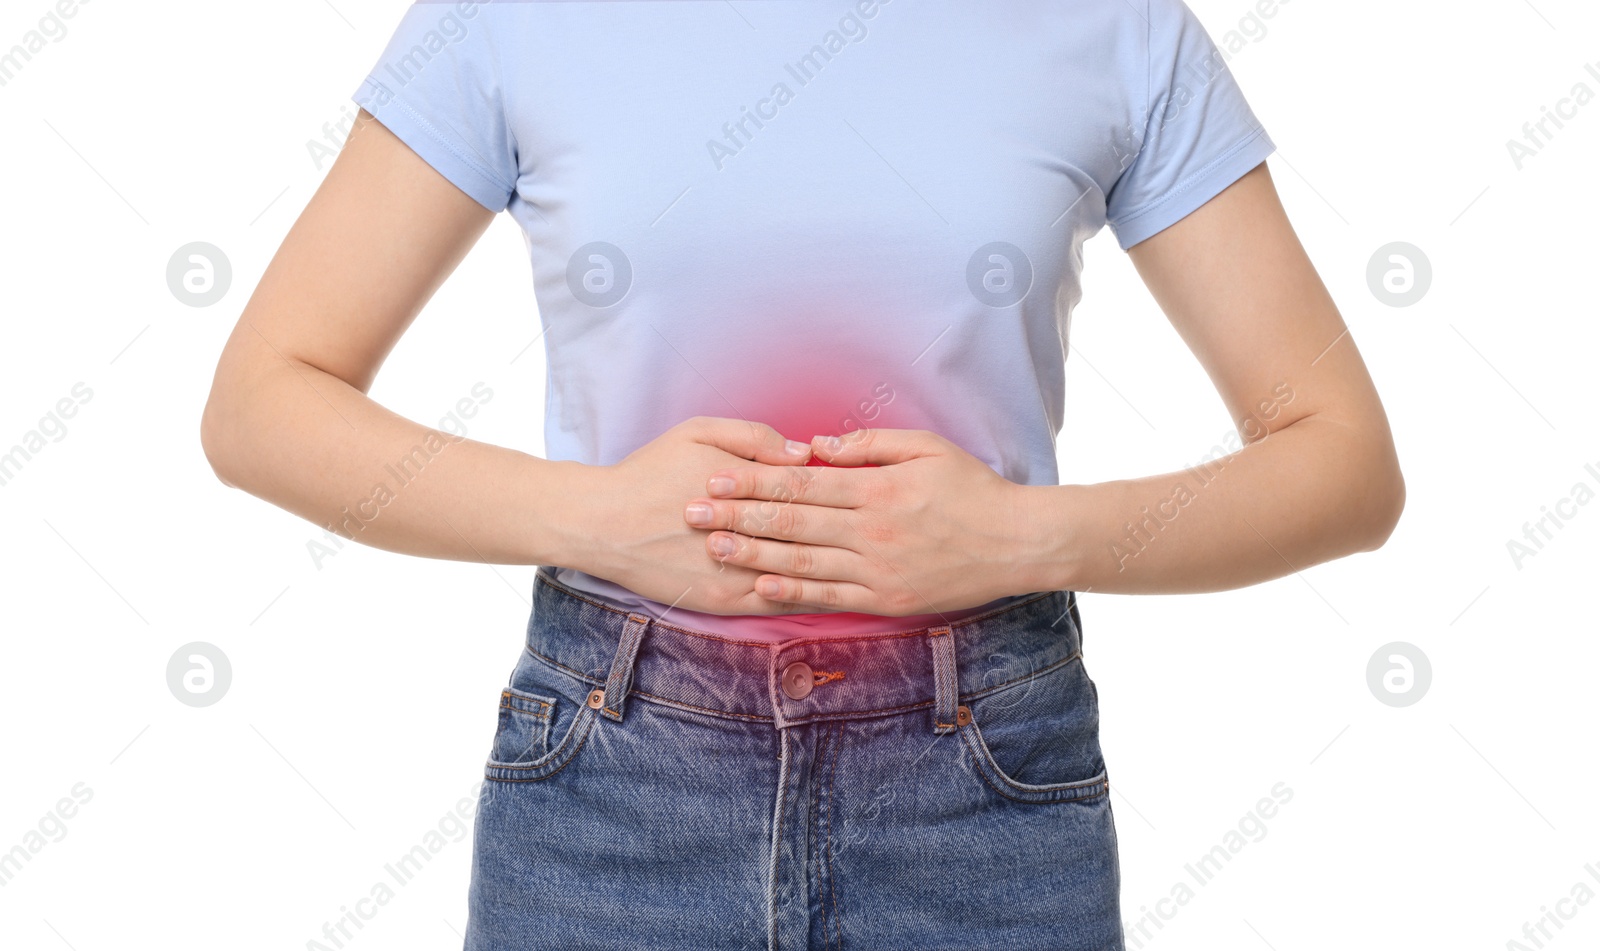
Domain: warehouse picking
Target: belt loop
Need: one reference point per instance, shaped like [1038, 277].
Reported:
[620, 680]
[944, 678]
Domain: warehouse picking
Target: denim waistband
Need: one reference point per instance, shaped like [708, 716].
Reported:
[627, 654]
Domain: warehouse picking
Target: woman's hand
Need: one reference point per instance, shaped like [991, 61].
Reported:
[630, 515]
[932, 528]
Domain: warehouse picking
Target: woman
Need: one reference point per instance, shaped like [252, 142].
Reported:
[783, 689]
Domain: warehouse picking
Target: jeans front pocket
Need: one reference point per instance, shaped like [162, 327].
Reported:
[523, 732]
[544, 722]
[1036, 739]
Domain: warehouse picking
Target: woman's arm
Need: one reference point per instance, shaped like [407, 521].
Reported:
[289, 420]
[1317, 477]
[934, 528]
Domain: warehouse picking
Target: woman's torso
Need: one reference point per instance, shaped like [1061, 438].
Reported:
[822, 216]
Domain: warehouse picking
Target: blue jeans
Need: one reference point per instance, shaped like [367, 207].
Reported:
[656, 787]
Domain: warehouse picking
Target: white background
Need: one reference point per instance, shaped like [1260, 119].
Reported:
[363, 693]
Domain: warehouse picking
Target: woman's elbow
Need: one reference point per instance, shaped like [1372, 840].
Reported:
[1384, 499]
[215, 436]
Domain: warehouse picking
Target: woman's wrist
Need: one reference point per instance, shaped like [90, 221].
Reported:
[565, 528]
[1047, 525]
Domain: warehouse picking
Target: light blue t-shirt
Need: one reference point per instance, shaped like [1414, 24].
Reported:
[819, 214]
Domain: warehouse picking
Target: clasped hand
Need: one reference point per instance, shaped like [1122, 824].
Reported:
[908, 523]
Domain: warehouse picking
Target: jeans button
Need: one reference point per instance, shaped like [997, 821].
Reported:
[798, 680]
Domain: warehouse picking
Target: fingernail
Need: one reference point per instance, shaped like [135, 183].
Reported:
[722, 545]
[767, 588]
[832, 443]
[796, 448]
[698, 513]
[721, 485]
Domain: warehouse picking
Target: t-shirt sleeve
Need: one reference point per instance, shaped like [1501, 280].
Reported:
[437, 87]
[1200, 134]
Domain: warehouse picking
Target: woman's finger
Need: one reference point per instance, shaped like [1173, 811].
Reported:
[810, 485]
[779, 521]
[825, 595]
[748, 439]
[784, 558]
[877, 447]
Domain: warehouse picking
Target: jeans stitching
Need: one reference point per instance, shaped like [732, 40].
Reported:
[777, 827]
[827, 858]
[1052, 793]
[819, 756]
[870, 712]
[564, 763]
